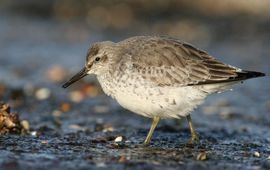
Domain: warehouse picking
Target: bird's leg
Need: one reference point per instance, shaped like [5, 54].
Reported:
[156, 119]
[194, 135]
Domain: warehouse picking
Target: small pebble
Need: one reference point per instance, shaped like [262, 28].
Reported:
[25, 124]
[76, 127]
[118, 139]
[101, 165]
[90, 90]
[257, 154]
[202, 156]
[76, 96]
[101, 109]
[122, 159]
[43, 93]
[127, 141]
[57, 113]
[33, 133]
[65, 107]
[44, 142]
[56, 73]
[108, 129]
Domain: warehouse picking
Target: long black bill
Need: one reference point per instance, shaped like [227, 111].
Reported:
[75, 78]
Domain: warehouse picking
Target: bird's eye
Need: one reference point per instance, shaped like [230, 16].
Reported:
[97, 59]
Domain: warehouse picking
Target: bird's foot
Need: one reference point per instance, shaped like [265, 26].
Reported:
[146, 142]
[194, 138]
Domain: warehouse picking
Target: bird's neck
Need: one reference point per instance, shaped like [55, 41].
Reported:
[107, 83]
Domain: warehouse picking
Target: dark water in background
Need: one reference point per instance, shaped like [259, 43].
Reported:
[29, 46]
[31, 42]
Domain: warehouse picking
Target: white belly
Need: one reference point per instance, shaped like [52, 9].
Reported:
[147, 100]
[160, 101]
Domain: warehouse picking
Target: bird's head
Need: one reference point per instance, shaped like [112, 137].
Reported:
[97, 61]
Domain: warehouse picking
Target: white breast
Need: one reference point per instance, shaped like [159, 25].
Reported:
[142, 98]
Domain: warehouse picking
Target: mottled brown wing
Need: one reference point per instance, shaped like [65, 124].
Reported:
[169, 62]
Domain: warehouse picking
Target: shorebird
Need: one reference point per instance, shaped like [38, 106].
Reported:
[159, 77]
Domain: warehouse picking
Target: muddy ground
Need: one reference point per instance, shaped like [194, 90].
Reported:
[81, 128]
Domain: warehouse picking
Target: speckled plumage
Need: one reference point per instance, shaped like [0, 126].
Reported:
[158, 77]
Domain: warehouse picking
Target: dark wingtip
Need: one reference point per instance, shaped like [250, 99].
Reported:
[250, 74]
[243, 75]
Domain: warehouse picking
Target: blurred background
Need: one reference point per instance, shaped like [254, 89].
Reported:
[40, 34]
[43, 43]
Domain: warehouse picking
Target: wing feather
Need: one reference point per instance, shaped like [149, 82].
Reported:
[169, 62]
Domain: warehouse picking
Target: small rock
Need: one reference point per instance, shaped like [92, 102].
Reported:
[101, 109]
[257, 154]
[202, 156]
[122, 159]
[43, 93]
[76, 127]
[76, 96]
[65, 107]
[90, 90]
[57, 113]
[44, 142]
[108, 129]
[118, 139]
[56, 73]
[33, 133]
[127, 142]
[25, 124]
[104, 127]
[101, 164]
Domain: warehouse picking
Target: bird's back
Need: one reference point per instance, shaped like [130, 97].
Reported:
[169, 62]
[156, 75]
